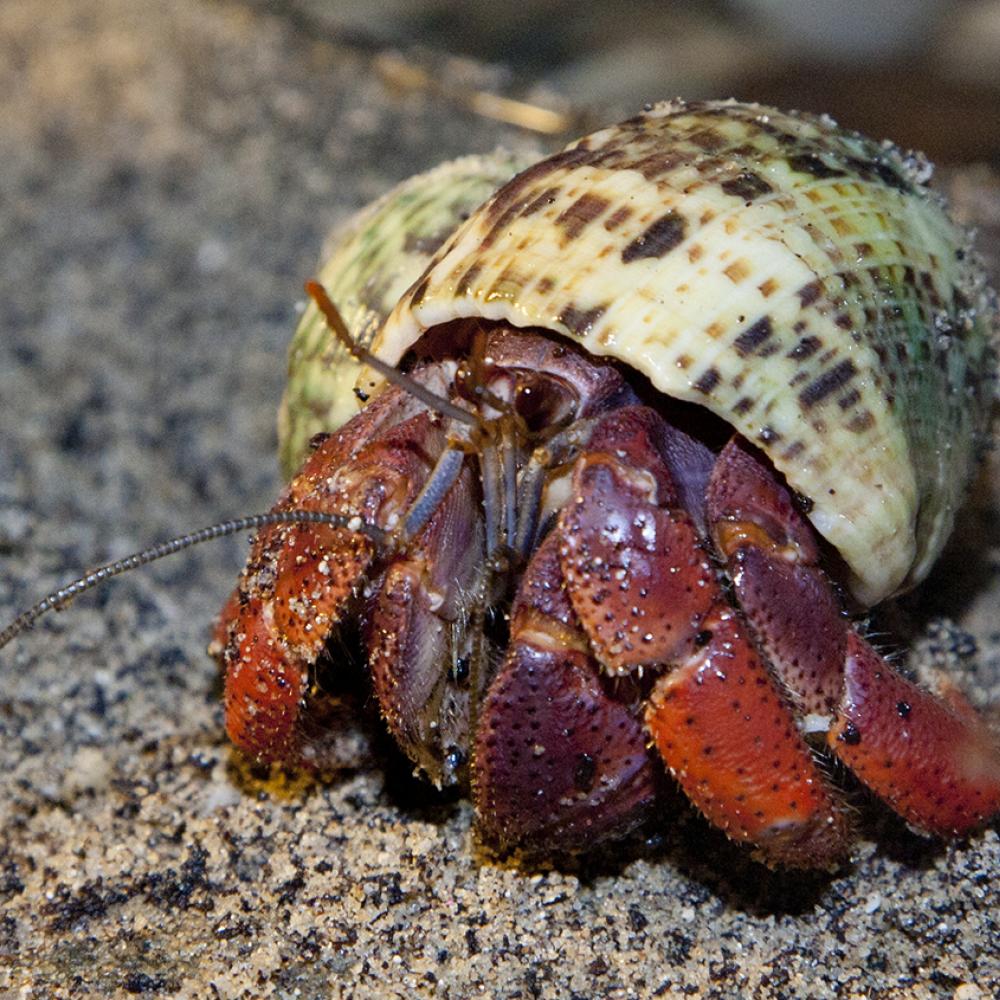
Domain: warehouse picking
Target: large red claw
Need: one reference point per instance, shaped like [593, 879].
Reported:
[299, 577]
[279, 630]
[560, 758]
[937, 765]
[636, 574]
[730, 741]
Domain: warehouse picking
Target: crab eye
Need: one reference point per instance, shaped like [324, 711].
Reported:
[543, 402]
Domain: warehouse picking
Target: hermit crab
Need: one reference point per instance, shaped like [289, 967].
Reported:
[600, 487]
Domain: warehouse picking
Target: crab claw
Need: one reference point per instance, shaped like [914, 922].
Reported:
[560, 758]
[273, 643]
[930, 758]
[299, 578]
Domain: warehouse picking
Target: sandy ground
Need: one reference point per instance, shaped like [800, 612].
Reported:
[167, 173]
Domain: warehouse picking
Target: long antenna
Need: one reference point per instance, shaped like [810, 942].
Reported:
[59, 598]
[339, 328]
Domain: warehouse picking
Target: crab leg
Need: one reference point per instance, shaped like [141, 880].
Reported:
[418, 622]
[646, 594]
[930, 758]
[935, 763]
[446, 472]
[560, 756]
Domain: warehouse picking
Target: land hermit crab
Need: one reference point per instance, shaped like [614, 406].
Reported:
[606, 479]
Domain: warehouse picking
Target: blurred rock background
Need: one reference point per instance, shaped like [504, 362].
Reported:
[926, 72]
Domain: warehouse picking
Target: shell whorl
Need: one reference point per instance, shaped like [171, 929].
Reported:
[368, 264]
[797, 279]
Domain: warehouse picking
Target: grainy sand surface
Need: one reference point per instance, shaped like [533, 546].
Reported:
[167, 173]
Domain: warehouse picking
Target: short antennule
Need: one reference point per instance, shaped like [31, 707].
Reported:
[59, 598]
[392, 374]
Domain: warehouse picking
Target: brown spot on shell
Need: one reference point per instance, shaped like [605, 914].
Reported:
[861, 422]
[881, 172]
[827, 383]
[811, 163]
[465, 282]
[746, 186]
[581, 213]
[767, 288]
[849, 399]
[657, 164]
[418, 293]
[709, 139]
[547, 197]
[805, 348]
[753, 336]
[737, 271]
[659, 238]
[708, 380]
[617, 217]
[843, 226]
[580, 321]
[809, 293]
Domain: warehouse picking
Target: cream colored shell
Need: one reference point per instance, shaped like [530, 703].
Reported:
[794, 278]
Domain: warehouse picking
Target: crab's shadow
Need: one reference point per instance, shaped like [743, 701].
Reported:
[708, 864]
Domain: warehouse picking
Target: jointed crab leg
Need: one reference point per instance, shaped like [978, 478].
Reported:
[645, 593]
[933, 760]
[417, 622]
[935, 763]
[446, 472]
[560, 754]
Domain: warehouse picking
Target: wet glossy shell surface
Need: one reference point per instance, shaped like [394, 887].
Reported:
[796, 279]
[369, 262]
